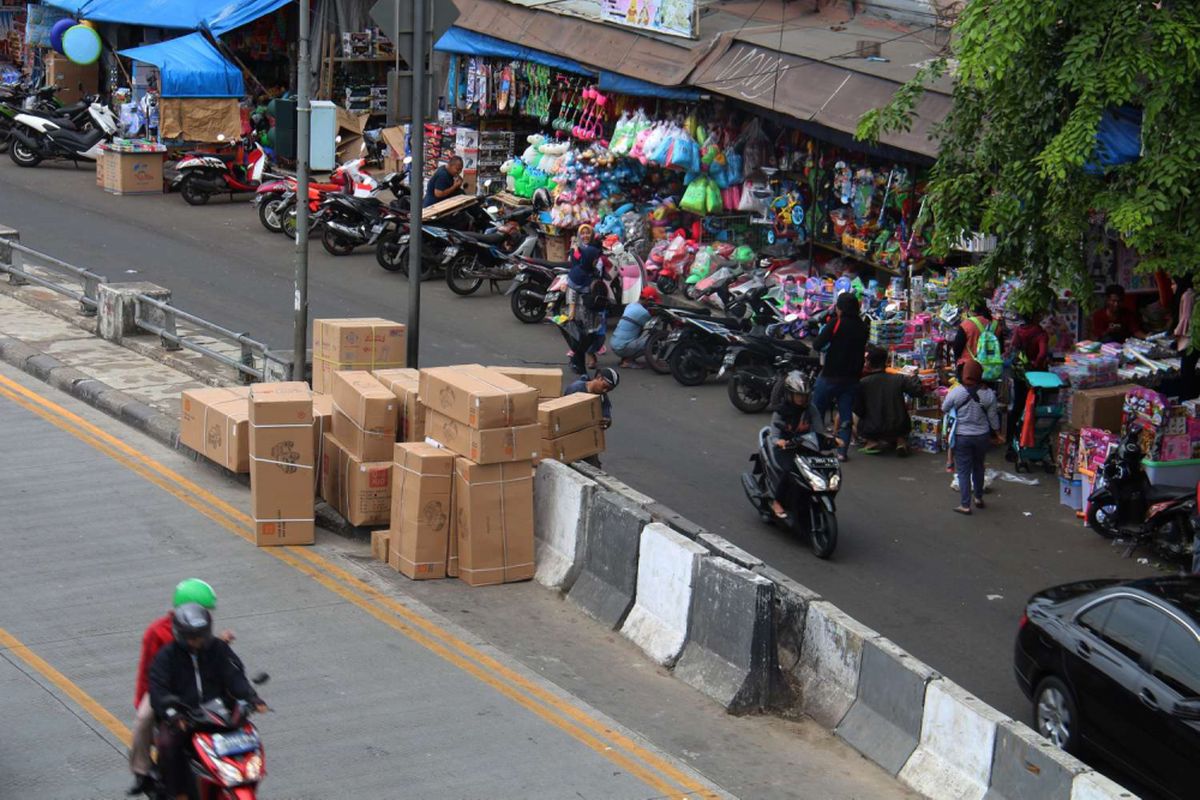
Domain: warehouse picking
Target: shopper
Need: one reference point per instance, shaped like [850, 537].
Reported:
[882, 413]
[1183, 301]
[1028, 351]
[603, 382]
[446, 182]
[629, 337]
[975, 423]
[966, 338]
[1115, 321]
[587, 301]
[843, 340]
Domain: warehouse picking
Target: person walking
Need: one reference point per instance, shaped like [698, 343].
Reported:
[1028, 351]
[844, 342]
[975, 424]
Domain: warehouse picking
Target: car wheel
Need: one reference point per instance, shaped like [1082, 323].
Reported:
[1055, 715]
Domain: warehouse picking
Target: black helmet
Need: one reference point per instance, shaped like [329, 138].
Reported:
[191, 620]
[541, 200]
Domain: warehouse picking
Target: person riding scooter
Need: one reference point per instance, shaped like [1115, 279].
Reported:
[795, 415]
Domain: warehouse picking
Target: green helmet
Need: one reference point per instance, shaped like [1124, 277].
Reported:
[194, 590]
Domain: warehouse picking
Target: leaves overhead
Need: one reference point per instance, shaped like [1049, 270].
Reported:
[1033, 79]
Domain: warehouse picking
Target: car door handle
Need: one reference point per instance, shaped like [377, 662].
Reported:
[1084, 649]
[1148, 699]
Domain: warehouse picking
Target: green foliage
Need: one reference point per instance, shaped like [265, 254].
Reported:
[1032, 80]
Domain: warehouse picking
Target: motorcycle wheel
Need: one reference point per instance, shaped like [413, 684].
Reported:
[744, 394]
[529, 305]
[458, 276]
[824, 533]
[392, 255]
[654, 359]
[1100, 514]
[270, 214]
[287, 222]
[191, 192]
[685, 364]
[22, 156]
[334, 244]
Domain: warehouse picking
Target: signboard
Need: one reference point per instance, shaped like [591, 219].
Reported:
[672, 17]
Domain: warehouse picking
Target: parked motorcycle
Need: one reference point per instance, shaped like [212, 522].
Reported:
[493, 255]
[813, 479]
[34, 137]
[530, 285]
[203, 175]
[759, 363]
[348, 222]
[392, 249]
[272, 198]
[696, 348]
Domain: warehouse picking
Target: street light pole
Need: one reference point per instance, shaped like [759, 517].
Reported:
[303, 115]
[416, 65]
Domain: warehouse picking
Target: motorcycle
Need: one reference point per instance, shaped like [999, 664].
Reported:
[348, 222]
[34, 138]
[530, 286]
[203, 175]
[392, 249]
[491, 256]
[759, 363]
[1124, 504]
[814, 477]
[696, 348]
[272, 198]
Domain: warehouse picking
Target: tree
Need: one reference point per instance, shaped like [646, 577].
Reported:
[1033, 79]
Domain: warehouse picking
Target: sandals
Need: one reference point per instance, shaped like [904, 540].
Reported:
[962, 510]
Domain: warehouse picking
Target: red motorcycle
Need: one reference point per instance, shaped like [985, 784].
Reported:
[202, 175]
[273, 198]
[225, 754]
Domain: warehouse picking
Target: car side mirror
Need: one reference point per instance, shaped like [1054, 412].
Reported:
[1186, 709]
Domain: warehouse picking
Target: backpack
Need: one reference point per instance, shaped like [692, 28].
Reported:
[987, 350]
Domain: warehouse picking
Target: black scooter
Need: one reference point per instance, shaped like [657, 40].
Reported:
[759, 363]
[814, 477]
[530, 286]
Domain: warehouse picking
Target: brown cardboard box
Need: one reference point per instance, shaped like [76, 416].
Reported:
[101, 166]
[493, 523]
[406, 385]
[74, 80]
[1099, 408]
[361, 491]
[478, 397]
[574, 446]
[133, 173]
[564, 415]
[364, 415]
[362, 343]
[422, 509]
[547, 380]
[216, 424]
[556, 247]
[322, 424]
[281, 463]
[381, 545]
[488, 446]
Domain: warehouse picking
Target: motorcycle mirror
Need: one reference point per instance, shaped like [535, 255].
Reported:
[493, 210]
[407, 160]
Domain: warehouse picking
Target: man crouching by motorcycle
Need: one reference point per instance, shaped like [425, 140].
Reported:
[194, 668]
[795, 415]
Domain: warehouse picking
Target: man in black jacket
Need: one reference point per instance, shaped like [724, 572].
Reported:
[195, 668]
[844, 341]
[882, 413]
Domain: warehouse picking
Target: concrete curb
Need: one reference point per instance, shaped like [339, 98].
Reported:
[830, 662]
[666, 573]
[562, 501]
[958, 739]
[1026, 765]
[1094, 786]
[607, 582]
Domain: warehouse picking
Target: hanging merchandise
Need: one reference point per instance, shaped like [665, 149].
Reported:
[56, 34]
[82, 44]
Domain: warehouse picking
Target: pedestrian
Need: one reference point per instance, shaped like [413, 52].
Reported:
[1028, 351]
[587, 300]
[1183, 302]
[966, 338]
[1115, 321]
[844, 342]
[629, 337]
[447, 181]
[603, 382]
[882, 413]
[975, 424]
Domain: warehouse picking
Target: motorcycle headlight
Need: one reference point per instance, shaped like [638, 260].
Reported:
[835, 481]
[819, 484]
[254, 767]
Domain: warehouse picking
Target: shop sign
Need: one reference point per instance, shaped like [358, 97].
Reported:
[672, 17]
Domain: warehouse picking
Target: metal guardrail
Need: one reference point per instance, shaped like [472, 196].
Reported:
[14, 264]
[163, 325]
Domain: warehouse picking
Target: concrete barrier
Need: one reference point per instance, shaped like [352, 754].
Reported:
[726, 549]
[562, 499]
[1094, 786]
[830, 661]
[607, 580]
[884, 724]
[789, 609]
[1025, 764]
[729, 652]
[958, 738]
[666, 571]
[612, 484]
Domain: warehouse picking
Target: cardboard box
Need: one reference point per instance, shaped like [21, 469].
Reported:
[216, 424]
[493, 521]
[381, 546]
[1099, 408]
[74, 80]
[281, 463]
[422, 509]
[574, 446]
[133, 173]
[547, 380]
[101, 165]
[361, 491]
[364, 415]
[478, 396]
[488, 446]
[322, 424]
[406, 385]
[360, 343]
[564, 415]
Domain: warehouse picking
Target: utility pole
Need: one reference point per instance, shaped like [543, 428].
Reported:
[303, 116]
[415, 178]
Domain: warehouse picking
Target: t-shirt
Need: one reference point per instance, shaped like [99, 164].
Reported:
[441, 181]
[630, 325]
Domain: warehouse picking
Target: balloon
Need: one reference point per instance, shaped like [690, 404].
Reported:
[81, 44]
[87, 23]
[56, 33]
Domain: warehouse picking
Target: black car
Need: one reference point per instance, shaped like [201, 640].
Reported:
[1114, 666]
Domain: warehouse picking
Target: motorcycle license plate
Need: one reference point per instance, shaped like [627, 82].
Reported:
[823, 462]
[449, 253]
[232, 744]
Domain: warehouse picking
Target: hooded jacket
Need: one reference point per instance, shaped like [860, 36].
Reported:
[215, 671]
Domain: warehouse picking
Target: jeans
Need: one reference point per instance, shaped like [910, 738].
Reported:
[632, 349]
[843, 391]
[969, 452]
[143, 733]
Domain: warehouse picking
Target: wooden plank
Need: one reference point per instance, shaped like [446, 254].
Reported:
[450, 205]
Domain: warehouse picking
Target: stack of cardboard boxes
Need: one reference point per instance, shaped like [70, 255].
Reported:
[356, 466]
[570, 427]
[281, 463]
[363, 343]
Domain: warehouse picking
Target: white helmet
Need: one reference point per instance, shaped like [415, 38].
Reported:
[797, 383]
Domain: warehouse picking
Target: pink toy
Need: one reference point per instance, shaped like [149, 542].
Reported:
[591, 123]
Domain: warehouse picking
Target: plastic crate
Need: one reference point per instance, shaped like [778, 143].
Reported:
[1184, 473]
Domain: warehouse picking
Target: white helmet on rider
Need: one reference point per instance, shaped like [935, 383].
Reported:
[797, 382]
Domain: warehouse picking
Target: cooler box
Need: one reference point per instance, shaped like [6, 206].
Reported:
[1185, 473]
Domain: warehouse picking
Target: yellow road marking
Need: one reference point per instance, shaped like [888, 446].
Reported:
[537, 699]
[81, 698]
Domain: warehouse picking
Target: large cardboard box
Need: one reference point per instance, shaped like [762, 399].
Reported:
[574, 446]
[364, 415]
[422, 510]
[101, 167]
[360, 343]
[361, 491]
[494, 521]
[478, 396]
[547, 380]
[406, 385]
[74, 80]
[133, 173]
[216, 424]
[564, 415]
[381, 546]
[281, 463]
[1099, 408]
[488, 446]
[322, 424]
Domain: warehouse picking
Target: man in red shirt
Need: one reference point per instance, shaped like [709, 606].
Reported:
[1115, 322]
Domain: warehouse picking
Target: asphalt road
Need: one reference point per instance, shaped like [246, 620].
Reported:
[949, 589]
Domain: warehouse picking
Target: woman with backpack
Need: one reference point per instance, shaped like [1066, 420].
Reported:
[975, 425]
[978, 340]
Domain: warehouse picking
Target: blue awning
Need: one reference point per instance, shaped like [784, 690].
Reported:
[623, 84]
[191, 67]
[237, 14]
[1118, 139]
[219, 16]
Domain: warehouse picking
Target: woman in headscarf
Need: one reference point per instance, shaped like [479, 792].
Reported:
[586, 308]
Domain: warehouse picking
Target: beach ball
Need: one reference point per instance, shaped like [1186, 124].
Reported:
[56, 33]
[81, 44]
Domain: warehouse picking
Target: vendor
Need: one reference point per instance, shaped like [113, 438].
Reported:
[1115, 322]
[446, 182]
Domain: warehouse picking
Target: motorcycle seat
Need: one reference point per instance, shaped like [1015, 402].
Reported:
[1161, 494]
[76, 140]
[793, 346]
[491, 237]
[71, 110]
[541, 262]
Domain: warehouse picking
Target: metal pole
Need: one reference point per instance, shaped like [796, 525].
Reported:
[417, 169]
[303, 114]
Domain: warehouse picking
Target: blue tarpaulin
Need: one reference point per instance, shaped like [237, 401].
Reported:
[217, 16]
[1118, 140]
[191, 67]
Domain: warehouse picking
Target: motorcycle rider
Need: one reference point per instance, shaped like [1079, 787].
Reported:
[795, 415]
[194, 667]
